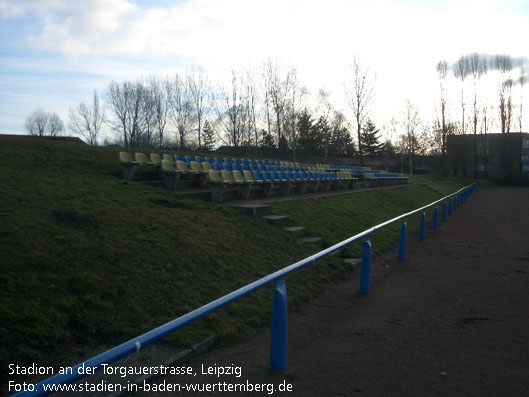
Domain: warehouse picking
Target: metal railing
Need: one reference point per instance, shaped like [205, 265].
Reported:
[278, 348]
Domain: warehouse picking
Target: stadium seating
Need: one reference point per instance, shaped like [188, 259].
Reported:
[230, 178]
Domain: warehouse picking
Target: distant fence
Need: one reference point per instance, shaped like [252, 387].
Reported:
[278, 346]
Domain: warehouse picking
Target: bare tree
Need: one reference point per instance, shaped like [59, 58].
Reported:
[325, 108]
[199, 90]
[292, 112]
[87, 121]
[40, 123]
[55, 124]
[37, 123]
[126, 101]
[476, 67]
[181, 107]
[461, 71]
[251, 104]
[442, 69]
[278, 89]
[412, 122]
[522, 81]
[503, 64]
[160, 92]
[359, 92]
[230, 112]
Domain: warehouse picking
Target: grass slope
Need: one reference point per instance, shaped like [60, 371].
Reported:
[87, 259]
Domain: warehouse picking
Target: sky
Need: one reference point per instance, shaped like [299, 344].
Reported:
[54, 53]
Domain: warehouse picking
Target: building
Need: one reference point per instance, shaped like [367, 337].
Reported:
[501, 158]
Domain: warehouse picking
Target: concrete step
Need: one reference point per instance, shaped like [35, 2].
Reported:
[318, 241]
[278, 220]
[354, 261]
[256, 209]
[158, 184]
[296, 231]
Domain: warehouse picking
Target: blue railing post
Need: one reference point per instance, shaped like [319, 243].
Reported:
[422, 234]
[455, 203]
[402, 242]
[435, 217]
[279, 334]
[450, 207]
[444, 211]
[365, 272]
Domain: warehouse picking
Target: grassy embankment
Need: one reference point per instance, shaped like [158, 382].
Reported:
[87, 259]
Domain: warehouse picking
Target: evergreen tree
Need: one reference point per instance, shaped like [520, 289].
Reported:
[320, 131]
[371, 145]
[209, 137]
[306, 144]
[268, 141]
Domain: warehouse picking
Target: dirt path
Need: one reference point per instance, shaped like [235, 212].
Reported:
[450, 320]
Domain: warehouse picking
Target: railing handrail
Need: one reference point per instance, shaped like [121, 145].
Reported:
[112, 355]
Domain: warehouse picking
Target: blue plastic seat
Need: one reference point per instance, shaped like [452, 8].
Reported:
[208, 159]
[276, 177]
[266, 177]
[217, 166]
[227, 166]
[188, 159]
[177, 157]
[236, 167]
[283, 176]
[199, 160]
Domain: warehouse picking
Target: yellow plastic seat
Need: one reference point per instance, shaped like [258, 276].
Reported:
[248, 177]
[206, 167]
[126, 158]
[227, 177]
[142, 158]
[156, 159]
[182, 166]
[169, 167]
[196, 167]
[238, 178]
[168, 157]
[214, 178]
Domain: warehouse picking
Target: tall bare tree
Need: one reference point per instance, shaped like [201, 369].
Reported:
[324, 108]
[503, 64]
[278, 88]
[160, 94]
[126, 101]
[86, 120]
[461, 71]
[522, 81]
[181, 107]
[200, 94]
[412, 122]
[442, 69]
[230, 111]
[477, 67]
[359, 91]
[296, 102]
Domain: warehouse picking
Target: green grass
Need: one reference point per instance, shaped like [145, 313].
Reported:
[87, 259]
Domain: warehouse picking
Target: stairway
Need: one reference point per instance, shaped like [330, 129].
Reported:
[283, 222]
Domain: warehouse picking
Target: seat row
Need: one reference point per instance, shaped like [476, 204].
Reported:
[245, 178]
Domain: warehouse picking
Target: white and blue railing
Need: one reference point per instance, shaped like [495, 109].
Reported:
[278, 345]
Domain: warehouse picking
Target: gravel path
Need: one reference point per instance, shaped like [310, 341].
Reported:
[450, 320]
